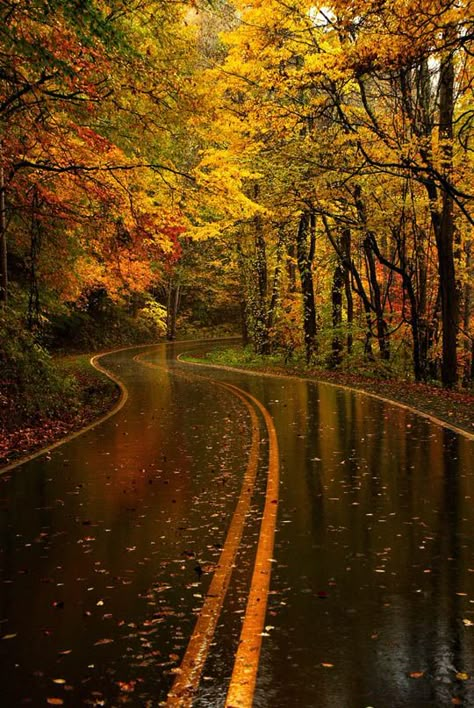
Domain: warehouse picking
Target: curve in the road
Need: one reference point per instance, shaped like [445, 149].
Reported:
[390, 401]
[94, 361]
[244, 675]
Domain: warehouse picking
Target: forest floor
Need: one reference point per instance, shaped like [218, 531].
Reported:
[455, 407]
[95, 396]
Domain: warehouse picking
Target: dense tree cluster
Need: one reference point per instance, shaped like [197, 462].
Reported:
[312, 161]
[351, 123]
[93, 100]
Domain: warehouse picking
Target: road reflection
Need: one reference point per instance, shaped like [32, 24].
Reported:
[375, 557]
[372, 599]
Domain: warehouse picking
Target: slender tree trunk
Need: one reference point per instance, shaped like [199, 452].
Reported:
[243, 322]
[336, 298]
[419, 362]
[355, 284]
[346, 251]
[468, 336]
[444, 226]
[275, 296]
[382, 330]
[172, 310]
[35, 247]
[244, 305]
[305, 256]
[261, 276]
[291, 266]
[3, 238]
[260, 331]
[370, 244]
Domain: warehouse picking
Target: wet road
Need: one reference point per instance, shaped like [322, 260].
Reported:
[110, 541]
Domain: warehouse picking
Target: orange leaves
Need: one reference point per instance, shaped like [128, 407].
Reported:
[88, 130]
[92, 139]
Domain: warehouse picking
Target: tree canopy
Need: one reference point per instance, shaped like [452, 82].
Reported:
[313, 161]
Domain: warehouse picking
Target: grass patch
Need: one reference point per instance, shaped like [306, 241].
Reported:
[95, 393]
[237, 356]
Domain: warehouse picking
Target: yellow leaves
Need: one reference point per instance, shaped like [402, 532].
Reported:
[462, 676]
[221, 197]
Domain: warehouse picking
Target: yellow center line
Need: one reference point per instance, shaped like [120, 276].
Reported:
[187, 680]
[244, 675]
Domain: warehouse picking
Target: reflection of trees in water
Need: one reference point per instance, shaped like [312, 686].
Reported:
[408, 475]
[447, 651]
[423, 630]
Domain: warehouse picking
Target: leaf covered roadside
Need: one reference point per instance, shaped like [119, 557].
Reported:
[86, 395]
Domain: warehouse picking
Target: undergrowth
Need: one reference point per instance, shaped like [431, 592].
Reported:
[35, 387]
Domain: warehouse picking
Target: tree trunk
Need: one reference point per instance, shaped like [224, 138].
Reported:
[336, 298]
[291, 266]
[35, 247]
[346, 250]
[468, 336]
[172, 310]
[275, 297]
[305, 256]
[244, 306]
[3, 239]
[370, 243]
[382, 329]
[444, 225]
[260, 330]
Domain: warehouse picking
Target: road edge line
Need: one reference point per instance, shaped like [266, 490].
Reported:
[293, 377]
[70, 436]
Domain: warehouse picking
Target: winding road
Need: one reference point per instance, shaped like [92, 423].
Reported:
[226, 539]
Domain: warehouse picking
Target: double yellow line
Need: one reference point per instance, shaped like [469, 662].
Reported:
[244, 676]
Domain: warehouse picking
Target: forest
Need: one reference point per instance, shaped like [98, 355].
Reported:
[294, 172]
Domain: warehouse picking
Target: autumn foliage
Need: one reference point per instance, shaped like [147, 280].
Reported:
[89, 167]
[351, 126]
[313, 162]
